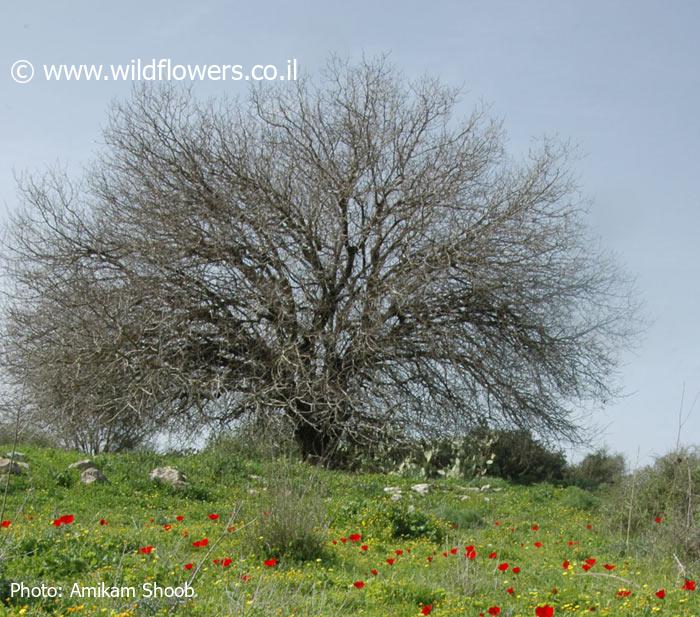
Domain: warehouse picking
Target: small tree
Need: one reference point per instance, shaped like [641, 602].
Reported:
[342, 252]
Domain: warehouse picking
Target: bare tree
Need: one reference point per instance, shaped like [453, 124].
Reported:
[341, 252]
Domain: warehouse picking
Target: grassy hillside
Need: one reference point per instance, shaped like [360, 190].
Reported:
[272, 538]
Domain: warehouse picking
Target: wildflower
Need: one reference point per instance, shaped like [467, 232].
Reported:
[609, 567]
[188, 566]
[103, 522]
[226, 562]
[200, 543]
[544, 611]
[66, 519]
[245, 578]
[355, 537]
[364, 547]
[688, 585]
[503, 566]
[538, 544]
[624, 593]
[179, 518]
[471, 555]
[270, 563]
[399, 552]
[213, 517]
[359, 584]
[374, 571]
[427, 609]
[494, 610]
[661, 594]
[146, 550]
[658, 520]
[535, 527]
[391, 561]
[6, 523]
[516, 570]
[510, 591]
[492, 555]
[565, 564]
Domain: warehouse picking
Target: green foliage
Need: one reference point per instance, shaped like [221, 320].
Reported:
[520, 458]
[597, 469]
[292, 517]
[407, 522]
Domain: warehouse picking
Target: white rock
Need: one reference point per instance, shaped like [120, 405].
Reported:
[92, 475]
[421, 489]
[83, 465]
[168, 475]
[9, 466]
[392, 489]
[395, 496]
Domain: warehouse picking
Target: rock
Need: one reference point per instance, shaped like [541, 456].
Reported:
[392, 489]
[395, 496]
[83, 465]
[92, 475]
[464, 498]
[9, 466]
[485, 488]
[421, 489]
[169, 475]
[19, 457]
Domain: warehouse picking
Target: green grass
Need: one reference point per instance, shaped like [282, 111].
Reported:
[305, 518]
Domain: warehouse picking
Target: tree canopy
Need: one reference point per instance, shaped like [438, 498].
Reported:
[343, 252]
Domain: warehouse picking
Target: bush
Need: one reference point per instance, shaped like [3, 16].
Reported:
[408, 523]
[659, 506]
[520, 458]
[292, 519]
[597, 469]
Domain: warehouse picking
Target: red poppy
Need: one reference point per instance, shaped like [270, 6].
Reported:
[245, 578]
[538, 544]
[200, 543]
[270, 563]
[503, 566]
[430, 558]
[471, 555]
[364, 547]
[590, 561]
[146, 550]
[6, 523]
[213, 517]
[103, 522]
[167, 527]
[497, 523]
[586, 566]
[565, 564]
[658, 520]
[492, 555]
[608, 566]
[188, 566]
[343, 540]
[399, 552]
[427, 609]
[66, 519]
[334, 542]
[469, 548]
[661, 594]
[226, 562]
[589, 527]
[516, 570]
[231, 528]
[355, 537]
[374, 571]
[510, 591]
[453, 551]
[179, 518]
[359, 584]
[494, 610]
[391, 561]
[624, 593]
[572, 543]
[445, 553]
[544, 611]
[689, 585]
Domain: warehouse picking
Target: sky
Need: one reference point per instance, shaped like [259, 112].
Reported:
[619, 80]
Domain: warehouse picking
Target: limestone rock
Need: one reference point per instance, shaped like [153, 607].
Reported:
[92, 475]
[9, 466]
[83, 465]
[421, 489]
[169, 475]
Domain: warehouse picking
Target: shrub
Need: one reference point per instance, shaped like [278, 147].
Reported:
[292, 518]
[597, 469]
[520, 458]
[659, 506]
[407, 522]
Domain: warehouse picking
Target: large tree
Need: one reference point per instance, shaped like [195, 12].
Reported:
[342, 252]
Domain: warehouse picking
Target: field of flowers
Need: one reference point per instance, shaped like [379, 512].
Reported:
[255, 538]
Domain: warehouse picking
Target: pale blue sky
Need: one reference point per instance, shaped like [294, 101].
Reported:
[620, 79]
